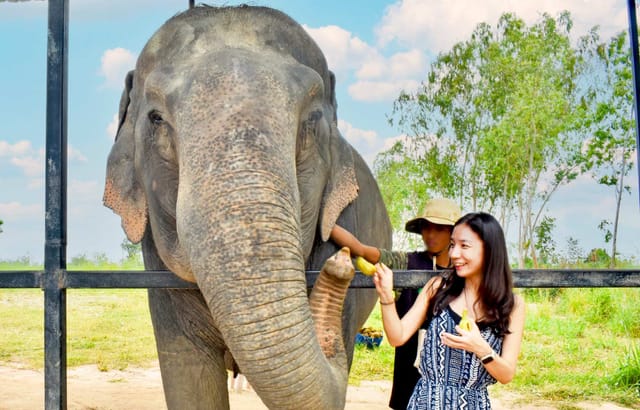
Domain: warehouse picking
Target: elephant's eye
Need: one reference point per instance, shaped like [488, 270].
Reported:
[155, 118]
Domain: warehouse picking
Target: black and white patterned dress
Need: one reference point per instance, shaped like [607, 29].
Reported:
[452, 378]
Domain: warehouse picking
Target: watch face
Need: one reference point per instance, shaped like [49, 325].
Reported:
[488, 358]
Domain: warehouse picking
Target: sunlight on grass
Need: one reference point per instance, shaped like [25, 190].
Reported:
[572, 343]
[110, 328]
[376, 363]
[21, 321]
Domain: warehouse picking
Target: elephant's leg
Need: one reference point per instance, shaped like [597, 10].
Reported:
[189, 350]
[326, 301]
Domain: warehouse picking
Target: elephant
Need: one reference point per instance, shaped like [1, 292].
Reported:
[228, 167]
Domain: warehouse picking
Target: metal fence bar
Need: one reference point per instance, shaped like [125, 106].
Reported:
[20, 279]
[55, 309]
[523, 278]
[635, 62]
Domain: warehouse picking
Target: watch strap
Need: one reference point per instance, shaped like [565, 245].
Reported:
[488, 358]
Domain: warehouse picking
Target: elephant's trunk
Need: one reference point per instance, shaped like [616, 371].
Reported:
[258, 296]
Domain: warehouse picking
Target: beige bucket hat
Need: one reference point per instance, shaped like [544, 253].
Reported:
[441, 211]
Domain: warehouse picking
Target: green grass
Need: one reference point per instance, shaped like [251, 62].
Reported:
[108, 328]
[579, 344]
[22, 324]
[376, 363]
[575, 345]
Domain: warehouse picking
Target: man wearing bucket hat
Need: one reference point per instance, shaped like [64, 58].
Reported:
[434, 225]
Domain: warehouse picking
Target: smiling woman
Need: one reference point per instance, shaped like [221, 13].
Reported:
[480, 284]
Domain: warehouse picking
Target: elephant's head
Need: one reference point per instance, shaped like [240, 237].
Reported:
[228, 154]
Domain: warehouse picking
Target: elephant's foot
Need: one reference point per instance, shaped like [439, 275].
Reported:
[327, 298]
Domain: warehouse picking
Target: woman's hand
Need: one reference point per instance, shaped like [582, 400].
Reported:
[383, 279]
[469, 340]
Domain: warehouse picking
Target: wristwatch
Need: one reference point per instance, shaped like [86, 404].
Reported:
[488, 358]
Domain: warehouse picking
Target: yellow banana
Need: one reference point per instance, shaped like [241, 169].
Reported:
[464, 321]
[365, 266]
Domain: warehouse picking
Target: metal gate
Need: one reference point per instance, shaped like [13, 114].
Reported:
[55, 279]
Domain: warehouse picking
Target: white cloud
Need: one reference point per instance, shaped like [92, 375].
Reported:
[19, 148]
[83, 189]
[407, 64]
[372, 69]
[390, 142]
[88, 9]
[31, 161]
[357, 136]
[342, 50]
[402, 65]
[366, 142]
[31, 165]
[23, 10]
[378, 78]
[383, 79]
[15, 211]
[115, 63]
[112, 128]
[74, 154]
[117, 9]
[380, 90]
[85, 198]
[35, 184]
[431, 26]
[438, 25]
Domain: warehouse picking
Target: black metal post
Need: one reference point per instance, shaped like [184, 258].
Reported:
[635, 60]
[55, 308]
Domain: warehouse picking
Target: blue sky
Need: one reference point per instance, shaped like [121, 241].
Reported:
[375, 47]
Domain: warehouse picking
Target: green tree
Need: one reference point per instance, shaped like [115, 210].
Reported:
[1, 222]
[80, 261]
[598, 257]
[539, 112]
[545, 245]
[493, 124]
[133, 251]
[608, 153]
[574, 252]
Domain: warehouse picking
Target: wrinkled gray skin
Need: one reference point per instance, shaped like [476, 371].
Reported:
[229, 168]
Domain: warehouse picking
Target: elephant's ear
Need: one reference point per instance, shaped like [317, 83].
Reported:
[122, 192]
[342, 186]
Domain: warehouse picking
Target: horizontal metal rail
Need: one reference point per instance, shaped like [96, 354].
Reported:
[523, 278]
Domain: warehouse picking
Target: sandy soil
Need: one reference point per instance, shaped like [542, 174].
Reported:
[141, 389]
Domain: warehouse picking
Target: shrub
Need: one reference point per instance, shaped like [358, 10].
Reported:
[628, 373]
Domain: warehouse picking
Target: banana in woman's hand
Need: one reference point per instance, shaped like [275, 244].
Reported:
[464, 320]
[365, 266]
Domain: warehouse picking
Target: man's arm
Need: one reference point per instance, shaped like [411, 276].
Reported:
[345, 238]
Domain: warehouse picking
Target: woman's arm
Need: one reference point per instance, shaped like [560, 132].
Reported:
[345, 238]
[398, 330]
[503, 367]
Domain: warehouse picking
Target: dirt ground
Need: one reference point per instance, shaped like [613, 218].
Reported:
[141, 389]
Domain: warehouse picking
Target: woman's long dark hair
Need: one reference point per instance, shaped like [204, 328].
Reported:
[496, 290]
